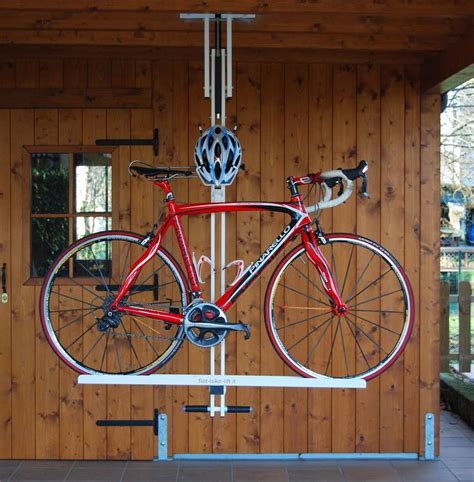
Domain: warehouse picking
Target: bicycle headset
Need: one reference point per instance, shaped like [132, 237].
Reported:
[218, 156]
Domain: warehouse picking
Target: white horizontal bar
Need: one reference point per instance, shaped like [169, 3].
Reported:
[225, 380]
[302, 456]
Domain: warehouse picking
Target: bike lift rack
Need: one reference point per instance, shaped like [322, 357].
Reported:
[218, 87]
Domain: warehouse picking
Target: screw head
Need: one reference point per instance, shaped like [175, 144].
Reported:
[430, 442]
[162, 417]
[162, 444]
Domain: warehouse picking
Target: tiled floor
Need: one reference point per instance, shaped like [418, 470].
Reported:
[456, 463]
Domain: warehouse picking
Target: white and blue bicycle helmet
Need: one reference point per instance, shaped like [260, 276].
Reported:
[218, 156]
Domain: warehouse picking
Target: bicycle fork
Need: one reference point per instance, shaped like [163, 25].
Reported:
[319, 261]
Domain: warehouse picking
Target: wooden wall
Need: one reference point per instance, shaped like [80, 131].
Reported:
[292, 118]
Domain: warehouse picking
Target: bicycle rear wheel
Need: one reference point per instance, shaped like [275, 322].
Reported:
[313, 340]
[81, 285]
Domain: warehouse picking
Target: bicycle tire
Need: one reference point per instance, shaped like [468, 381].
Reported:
[380, 316]
[79, 286]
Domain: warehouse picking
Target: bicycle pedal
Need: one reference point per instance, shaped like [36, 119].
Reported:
[245, 329]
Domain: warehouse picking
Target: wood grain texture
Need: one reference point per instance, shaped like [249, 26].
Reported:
[344, 220]
[429, 263]
[392, 237]
[368, 224]
[5, 309]
[320, 149]
[22, 300]
[412, 254]
[248, 80]
[296, 164]
[272, 188]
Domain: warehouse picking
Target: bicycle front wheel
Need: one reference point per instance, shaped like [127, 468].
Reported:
[79, 289]
[313, 340]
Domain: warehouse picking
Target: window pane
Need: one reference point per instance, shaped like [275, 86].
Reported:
[93, 181]
[94, 261]
[89, 225]
[49, 183]
[49, 236]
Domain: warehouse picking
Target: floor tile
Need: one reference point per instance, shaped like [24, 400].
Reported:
[49, 473]
[464, 474]
[314, 473]
[95, 473]
[459, 462]
[371, 471]
[150, 474]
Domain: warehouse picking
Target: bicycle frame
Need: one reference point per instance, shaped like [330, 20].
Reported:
[300, 224]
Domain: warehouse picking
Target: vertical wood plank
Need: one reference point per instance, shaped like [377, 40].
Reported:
[22, 299]
[429, 263]
[272, 187]
[51, 73]
[179, 364]
[412, 254]
[163, 100]
[123, 73]
[7, 73]
[142, 218]
[118, 122]
[95, 396]
[248, 248]
[392, 238]
[5, 314]
[344, 219]
[143, 74]
[99, 73]
[368, 224]
[199, 427]
[46, 126]
[320, 159]
[296, 164]
[70, 126]
[27, 73]
[75, 73]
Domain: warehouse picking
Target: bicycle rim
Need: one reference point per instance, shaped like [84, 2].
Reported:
[79, 288]
[315, 342]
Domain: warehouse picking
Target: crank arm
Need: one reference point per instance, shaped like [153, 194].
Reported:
[221, 326]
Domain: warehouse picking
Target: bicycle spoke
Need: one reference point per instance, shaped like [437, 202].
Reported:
[302, 321]
[310, 333]
[156, 271]
[72, 298]
[80, 336]
[375, 298]
[344, 350]
[310, 354]
[304, 294]
[369, 285]
[377, 325]
[105, 349]
[80, 317]
[146, 338]
[92, 347]
[138, 291]
[117, 355]
[100, 271]
[129, 338]
[312, 283]
[84, 286]
[378, 311]
[332, 346]
[358, 344]
[125, 263]
[361, 275]
[365, 334]
[347, 270]
[76, 309]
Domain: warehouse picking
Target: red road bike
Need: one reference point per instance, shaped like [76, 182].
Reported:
[336, 305]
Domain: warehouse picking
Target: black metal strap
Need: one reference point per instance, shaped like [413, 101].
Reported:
[154, 142]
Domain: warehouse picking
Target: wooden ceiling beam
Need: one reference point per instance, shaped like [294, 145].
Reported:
[195, 54]
[242, 39]
[386, 7]
[269, 22]
[449, 68]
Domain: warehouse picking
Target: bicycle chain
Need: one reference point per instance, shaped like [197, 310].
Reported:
[161, 337]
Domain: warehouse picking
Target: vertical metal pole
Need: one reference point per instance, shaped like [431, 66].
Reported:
[213, 87]
[206, 57]
[229, 55]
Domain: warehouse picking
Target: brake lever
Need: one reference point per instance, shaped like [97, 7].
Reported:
[363, 190]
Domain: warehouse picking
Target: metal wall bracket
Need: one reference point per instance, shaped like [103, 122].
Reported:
[162, 437]
[429, 436]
